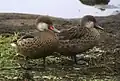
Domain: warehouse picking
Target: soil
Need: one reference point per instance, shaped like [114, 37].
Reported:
[103, 60]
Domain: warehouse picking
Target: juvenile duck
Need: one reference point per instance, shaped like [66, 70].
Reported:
[41, 43]
[80, 38]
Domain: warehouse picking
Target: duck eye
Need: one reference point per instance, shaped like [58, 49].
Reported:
[51, 27]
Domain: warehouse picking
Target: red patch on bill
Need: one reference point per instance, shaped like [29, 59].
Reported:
[51, 27]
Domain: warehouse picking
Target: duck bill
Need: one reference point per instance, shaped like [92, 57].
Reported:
[98, 27]
[54, 29]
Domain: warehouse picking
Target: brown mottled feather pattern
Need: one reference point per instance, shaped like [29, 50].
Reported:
[39, 44]
[71, 33]
[78, 39]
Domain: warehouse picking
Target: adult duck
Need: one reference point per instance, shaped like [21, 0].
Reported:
[81, 38]
[39, 44]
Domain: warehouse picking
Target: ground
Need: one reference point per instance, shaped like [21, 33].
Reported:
[100, 63]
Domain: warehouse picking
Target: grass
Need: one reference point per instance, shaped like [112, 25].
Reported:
[6, 55]
[6, 62]
[6, 51]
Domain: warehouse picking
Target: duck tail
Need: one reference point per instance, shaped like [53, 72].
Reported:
[13, 45]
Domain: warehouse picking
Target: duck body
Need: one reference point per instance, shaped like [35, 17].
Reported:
[80, 38]
[41, 43]
[37, 45]
[84, 40]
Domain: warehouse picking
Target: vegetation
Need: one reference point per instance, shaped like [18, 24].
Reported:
[10, 70]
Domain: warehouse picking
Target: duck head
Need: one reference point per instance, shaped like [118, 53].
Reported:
[45, 23]
[90, 22]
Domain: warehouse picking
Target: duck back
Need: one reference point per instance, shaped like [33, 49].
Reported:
[42, 44]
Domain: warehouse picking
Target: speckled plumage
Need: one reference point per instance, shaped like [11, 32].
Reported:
[39, 44]
[79, 38]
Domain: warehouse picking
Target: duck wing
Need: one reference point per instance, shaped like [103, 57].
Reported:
[69, 47]
[71, 33]
[27, 36]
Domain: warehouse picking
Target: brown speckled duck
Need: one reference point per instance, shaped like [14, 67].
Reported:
[80, 38]
[41, 43]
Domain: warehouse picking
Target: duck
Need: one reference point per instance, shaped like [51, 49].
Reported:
[80, 38]
[41, 43]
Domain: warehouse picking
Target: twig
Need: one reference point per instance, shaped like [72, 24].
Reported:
[8, 68]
